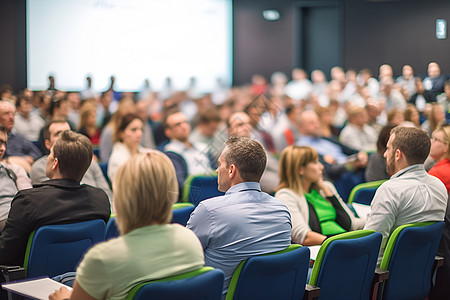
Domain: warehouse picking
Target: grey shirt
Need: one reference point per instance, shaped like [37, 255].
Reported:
[9, 188]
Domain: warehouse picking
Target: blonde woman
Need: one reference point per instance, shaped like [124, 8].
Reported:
[88, 123]
[440, 151]
[149, 247]
[317, 210]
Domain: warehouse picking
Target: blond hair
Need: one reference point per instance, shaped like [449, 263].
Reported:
[291, 159]
[144, 190]
[445, 129]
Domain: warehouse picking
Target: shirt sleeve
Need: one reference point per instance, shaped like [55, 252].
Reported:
[14, 237]
[383, 212]
[92, 276]
[22, 181]
[300, 227]
[201, 224]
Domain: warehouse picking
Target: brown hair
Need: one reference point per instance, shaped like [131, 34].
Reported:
[247, 155]
[74, 153]
[123, 123]
[291, 159]
[413, 142]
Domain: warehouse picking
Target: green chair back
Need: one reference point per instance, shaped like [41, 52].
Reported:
[362, 186]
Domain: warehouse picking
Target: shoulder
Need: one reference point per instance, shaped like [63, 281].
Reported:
[286, 193]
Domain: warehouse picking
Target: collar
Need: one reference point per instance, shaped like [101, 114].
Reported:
[244, 186]
[411, 168]
[66, 183]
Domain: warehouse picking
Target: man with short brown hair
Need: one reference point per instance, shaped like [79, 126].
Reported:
[60, 200]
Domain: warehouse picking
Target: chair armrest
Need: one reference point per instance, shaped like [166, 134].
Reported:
[379, 276]
[311, 292]
[7, 274]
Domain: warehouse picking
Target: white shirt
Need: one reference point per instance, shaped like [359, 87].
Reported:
[362, 139]
[410, 196]
[197, 162]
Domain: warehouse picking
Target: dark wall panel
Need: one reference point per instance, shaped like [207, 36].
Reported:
[395, 32]
[262, 46]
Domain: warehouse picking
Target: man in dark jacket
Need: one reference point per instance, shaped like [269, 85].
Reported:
[60, 200]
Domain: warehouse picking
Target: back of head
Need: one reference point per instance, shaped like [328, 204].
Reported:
[291, 159]
[74, 153]
[413, 142]
[144, 191]
[247, 155]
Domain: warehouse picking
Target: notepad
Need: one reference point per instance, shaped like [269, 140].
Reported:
[314, 250]
[361, 209]
[36, 288]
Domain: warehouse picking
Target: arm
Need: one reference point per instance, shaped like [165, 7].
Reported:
[14, 237]
[78, 293]
[38, 171]
[200, 224]
[97, 179]
[22, 181]
[298, 208]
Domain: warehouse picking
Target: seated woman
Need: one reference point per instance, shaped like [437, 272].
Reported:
[440, 151]
[376, 166]
[149, 247]
[317, 210]
[127, 140]
[88, 123]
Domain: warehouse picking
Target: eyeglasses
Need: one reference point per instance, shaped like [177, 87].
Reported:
[2, 142]
[435, 139]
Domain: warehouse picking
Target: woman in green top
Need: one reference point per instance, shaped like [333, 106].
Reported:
[317, 210]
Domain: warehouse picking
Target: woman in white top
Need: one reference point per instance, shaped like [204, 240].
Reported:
[127, 139]
[148, 248]
[317, 210]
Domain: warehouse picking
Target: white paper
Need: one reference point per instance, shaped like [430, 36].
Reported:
[39, 288]
[314, 251]
[361, 209]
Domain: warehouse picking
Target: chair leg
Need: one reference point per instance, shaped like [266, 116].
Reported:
[311, 292]
[379, 277]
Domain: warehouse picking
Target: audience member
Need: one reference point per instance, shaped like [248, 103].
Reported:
[337, 158]
[239, 125]
[316, 209]
[142, 110]
[209, 135]
[357, 134]
[88, 123]
[287, 133]
[300, 87]
[376, 166]
[20, 151]
[392, 98]
[436, 117]
[126, 106]
[374, 116]
[12, 179]
[93, 176]
[60, 200]
[327, 129]
[75, 103]
[444, 98]
[245, 222]
[148, 247]
[434, 82]
[395, 116]
[411, 195]
[411, 115]
[440, 151]
[177, 129]
[127, 139]
[421, 97]
[27, 123]
[407, 82]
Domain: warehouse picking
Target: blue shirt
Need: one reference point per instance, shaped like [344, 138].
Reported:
[323, 147]
[19, 146]
[245, 222]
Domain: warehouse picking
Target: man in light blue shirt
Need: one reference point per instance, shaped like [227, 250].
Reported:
[245, 222]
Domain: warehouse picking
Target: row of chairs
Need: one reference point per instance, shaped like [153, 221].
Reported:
[344, 267]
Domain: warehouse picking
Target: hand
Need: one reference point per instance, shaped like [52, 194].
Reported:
[322, 186]
[329, 159]
[62, 293]
[362, 159]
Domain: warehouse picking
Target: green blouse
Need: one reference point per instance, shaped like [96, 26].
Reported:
[326, 214]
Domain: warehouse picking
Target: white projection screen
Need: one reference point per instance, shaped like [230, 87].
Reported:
[132, 40]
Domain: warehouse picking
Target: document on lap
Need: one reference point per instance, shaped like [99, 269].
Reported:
[36, 288]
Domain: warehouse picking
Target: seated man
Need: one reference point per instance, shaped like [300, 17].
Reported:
[245, 222]
[187, 156]
[60, 200]
[20, 150]
[239, 124]
[93, 176]
[26, 122]
[411, 195]
[12, 179]
[336, 158]
[357, 134]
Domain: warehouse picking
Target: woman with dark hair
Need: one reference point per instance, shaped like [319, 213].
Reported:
[376, 166]
[127, 138]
